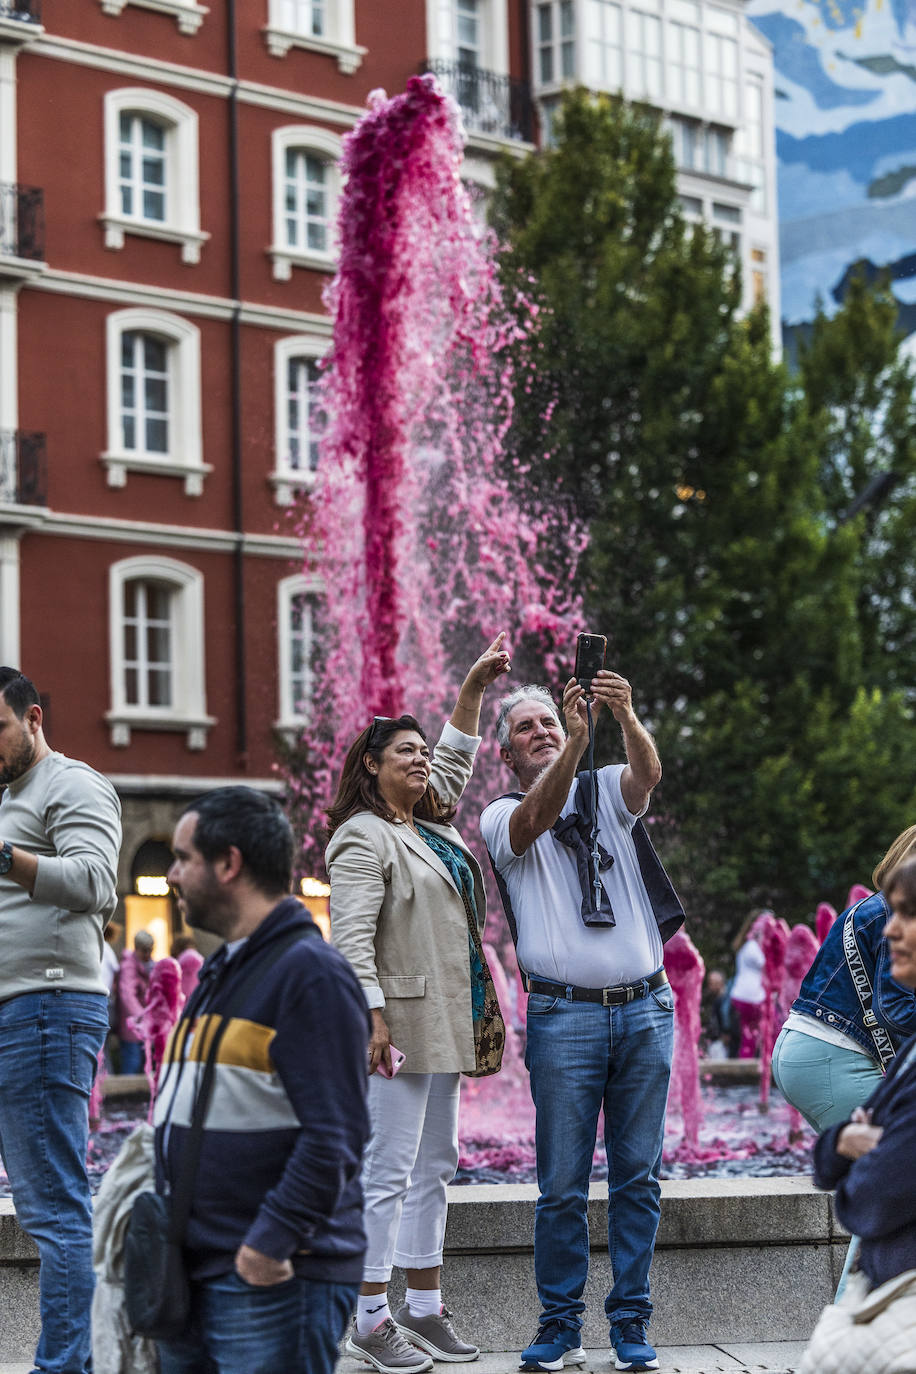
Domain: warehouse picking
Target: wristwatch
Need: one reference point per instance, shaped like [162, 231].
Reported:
[6, 857]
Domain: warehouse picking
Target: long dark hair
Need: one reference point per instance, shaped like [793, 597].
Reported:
[358, 789]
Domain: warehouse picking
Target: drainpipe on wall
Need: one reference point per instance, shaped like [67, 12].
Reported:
[238, 571]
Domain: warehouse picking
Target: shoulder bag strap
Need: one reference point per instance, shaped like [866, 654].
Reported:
[183, 1191]
[862, 984]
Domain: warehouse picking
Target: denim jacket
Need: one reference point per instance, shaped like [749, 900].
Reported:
[828, 993]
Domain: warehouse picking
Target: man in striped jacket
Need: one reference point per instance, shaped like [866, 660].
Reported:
[275, 1238]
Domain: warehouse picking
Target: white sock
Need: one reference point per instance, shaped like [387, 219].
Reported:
[371, 1311]
[424, 1302]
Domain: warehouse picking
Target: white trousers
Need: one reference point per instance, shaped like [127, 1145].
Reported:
[411, 1157]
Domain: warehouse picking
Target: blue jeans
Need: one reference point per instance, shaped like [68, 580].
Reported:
[133, 1056]
[290, 1328]
[581, 1057]
[49, 1046]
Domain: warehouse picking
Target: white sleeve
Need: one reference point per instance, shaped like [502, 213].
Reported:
[494, 827]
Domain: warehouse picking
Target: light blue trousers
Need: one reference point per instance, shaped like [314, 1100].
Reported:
[825, 1082]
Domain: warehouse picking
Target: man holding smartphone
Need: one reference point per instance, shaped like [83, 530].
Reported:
[600, 1010]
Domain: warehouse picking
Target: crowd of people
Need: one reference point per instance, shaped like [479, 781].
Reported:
[305, 1124]
[133, 980]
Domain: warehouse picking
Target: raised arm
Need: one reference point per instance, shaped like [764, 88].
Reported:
[643, 770]
[493, 662]
[544, 800]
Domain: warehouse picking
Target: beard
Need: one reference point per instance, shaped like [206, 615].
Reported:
[20, 760]
[202, 912]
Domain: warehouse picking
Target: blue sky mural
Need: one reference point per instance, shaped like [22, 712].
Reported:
[845, 76]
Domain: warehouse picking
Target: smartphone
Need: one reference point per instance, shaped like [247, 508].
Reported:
[397, 1061]
[590, 653]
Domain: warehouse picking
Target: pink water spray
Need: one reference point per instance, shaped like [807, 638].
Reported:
[686, 970]
[421, 545]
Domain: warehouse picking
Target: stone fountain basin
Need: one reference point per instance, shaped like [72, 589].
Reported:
[737, 1260]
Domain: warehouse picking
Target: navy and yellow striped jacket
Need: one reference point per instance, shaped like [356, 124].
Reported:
[287, 1119]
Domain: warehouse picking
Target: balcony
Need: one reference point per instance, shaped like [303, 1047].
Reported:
[22, 229]
[23, 468]
[20, 21]
[27, 11]
[498, 106]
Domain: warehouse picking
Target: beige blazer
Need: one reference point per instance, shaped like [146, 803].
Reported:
[398, 918]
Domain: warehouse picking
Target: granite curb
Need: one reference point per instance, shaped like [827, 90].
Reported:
[767, 1357]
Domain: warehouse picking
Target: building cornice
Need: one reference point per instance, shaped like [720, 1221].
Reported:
[177, 784]
[187, 302]
[39, 520]
[194, 79]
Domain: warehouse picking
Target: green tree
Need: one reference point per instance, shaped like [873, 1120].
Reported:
[760, 628]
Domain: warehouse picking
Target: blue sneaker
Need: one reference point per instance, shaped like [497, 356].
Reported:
[631, 1349]
[554, 1346]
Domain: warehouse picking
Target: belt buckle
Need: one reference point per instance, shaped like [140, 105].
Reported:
[605, 997]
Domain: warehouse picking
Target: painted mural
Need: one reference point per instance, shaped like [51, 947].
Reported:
[845, 111]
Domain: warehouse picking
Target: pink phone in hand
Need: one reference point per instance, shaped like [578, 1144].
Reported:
[397, 1060]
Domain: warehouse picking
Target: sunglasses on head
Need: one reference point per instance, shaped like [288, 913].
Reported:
[377, 723]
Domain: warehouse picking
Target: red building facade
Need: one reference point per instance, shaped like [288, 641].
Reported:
[168, 183]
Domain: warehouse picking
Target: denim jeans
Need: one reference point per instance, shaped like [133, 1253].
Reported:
[582, 1056]
[49, 1046]
[133, 1056]
[236, 1328]
[825, 1082]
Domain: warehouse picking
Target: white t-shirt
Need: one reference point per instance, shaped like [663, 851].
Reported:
[749, 964]
[546, 898]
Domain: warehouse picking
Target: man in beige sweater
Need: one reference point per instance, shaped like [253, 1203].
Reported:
[60, 833]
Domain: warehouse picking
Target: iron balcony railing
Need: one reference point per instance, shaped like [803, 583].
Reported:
[23, 468]
[490, 103]
[22, 221]
[29, 11]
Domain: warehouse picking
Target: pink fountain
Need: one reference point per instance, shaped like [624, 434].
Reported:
[824, 919]
[421, 544]
[686, 971]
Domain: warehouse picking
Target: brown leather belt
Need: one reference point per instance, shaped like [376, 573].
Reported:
[605, 997]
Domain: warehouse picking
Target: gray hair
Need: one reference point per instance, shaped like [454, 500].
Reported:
[143, 940]
[530, 692]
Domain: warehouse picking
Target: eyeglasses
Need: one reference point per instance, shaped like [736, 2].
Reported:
[377, 722]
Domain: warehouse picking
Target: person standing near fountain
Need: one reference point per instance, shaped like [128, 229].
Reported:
[834, 1049]
[867, 1158]
[407, 904]
[600, 1009]
[60, 827]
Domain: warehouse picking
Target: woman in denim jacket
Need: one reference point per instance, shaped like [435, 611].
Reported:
[825, 1061]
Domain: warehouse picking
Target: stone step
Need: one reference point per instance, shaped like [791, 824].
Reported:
[766, 1357]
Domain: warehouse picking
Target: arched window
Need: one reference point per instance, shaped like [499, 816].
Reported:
[156, 640]
[153, 385]
[151, 171]
[322, 26]
[306, 188]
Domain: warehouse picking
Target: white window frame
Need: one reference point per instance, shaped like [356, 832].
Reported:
[184, 458]
[557, 44]
[182, 225]
[339, 40]
[441, 26]
[286, 480]
[640, 62]
[292, 717]
[602, 49]
[322, 143]
[187, 14]
[188, 711]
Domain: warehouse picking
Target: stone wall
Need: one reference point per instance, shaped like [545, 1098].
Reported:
[736, 1260]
